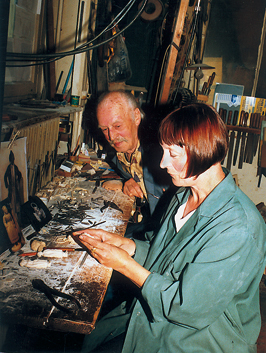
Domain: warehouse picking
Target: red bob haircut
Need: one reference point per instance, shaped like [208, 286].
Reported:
[199, 128]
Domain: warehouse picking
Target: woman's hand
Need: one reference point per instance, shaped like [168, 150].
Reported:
[106, 237]
[109, 249]
[114, 251]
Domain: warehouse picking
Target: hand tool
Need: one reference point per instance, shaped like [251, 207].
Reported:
[49, 292]
[224, 115]
[83, 260]
[238, 137]
[95, 224]
[210, 83]
[257, 125]
[97, 183]
[110, 204]
[243, 142]
[248, 157]
[231, 142]
[34, 253]
[149, 193]
[235, 117]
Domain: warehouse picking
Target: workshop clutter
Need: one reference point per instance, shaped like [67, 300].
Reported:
[244, 117]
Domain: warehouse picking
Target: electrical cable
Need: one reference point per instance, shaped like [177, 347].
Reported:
[58, 56]
[81, 49]
[108, 27]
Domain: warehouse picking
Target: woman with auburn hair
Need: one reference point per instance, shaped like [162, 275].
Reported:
[198, 276]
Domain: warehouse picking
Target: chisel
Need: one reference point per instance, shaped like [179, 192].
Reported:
[243, 143]
[257, 125]
[238, 137]
[210, 83]
[248, 157]
[231, 142]
[224, 115]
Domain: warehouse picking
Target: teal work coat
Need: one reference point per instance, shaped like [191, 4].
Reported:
[203, 291]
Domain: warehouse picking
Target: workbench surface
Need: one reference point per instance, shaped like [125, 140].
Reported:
[73, 206]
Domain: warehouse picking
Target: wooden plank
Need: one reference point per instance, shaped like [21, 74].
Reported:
[20, 303]
[170, 67]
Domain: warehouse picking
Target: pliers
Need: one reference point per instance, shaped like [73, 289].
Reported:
[49, 292]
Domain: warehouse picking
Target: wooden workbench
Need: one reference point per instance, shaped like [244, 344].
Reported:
[73, 206]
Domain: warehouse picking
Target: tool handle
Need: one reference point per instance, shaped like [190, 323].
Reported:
[229, 119]
[241, 118]
[28, 254]
[235, 117]
[245, 121]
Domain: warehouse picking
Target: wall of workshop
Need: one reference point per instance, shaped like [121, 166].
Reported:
[232, 45]
[71, 18]
[248, 180]
[234, 34]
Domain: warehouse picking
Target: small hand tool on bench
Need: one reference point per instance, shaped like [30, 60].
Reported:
[34, 253]
[50, 292]
[97, 184]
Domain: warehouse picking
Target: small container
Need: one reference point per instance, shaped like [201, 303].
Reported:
[74, 101]
[73, 158]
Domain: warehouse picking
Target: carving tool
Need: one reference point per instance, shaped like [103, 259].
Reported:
[257, 125]
[224, 114]
[231, 143]
[243, 142]
[110, 204]
[210, 83]
[238, 137]
[97, 183]
[34, 253]
[83, 260]
[248, 157]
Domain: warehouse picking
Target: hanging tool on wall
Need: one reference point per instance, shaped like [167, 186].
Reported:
[231, 142]
[257, 125]
[238, 137]
[248, 156]
[243, 142]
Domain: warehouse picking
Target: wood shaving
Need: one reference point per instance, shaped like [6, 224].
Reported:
[53, 253]
[37, 264]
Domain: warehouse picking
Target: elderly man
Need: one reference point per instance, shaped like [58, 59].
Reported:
[137, 153]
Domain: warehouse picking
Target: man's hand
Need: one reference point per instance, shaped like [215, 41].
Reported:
[131, 188]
